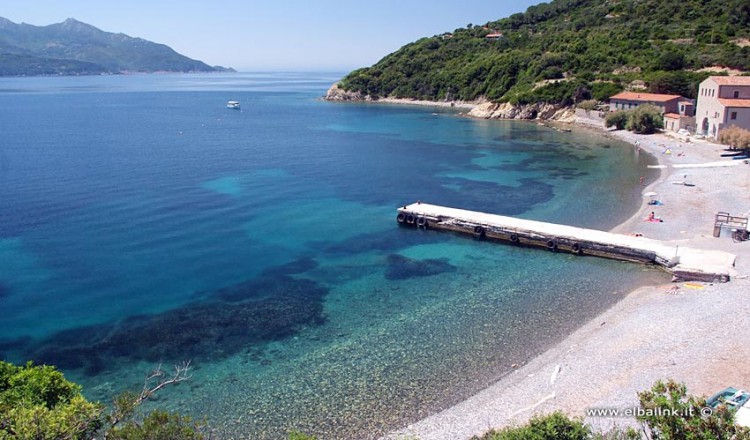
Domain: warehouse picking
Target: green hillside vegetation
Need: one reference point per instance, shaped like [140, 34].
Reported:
[76, 48]
[566, 51]
[19, 65]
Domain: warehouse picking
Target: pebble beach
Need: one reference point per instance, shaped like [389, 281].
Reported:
[694, 333]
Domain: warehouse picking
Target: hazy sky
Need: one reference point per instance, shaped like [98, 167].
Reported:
[278, 34]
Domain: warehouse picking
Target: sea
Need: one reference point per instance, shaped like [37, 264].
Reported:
[144, 223]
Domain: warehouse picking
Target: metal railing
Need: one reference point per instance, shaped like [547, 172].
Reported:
[723, 219]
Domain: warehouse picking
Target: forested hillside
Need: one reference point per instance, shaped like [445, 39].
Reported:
[568, 50]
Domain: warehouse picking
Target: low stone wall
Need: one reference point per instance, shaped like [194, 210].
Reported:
[593, 115]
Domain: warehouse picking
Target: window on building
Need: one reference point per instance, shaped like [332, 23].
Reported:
[733, 116]
[736, 93]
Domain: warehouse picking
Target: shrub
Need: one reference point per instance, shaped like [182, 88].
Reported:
[735, 137]
[555, 426]
[670, 61]
[645, 119]
[618, 119]
[158, 425]
[668, 413]
[38, 400]
[602, 90]
[588, 105]
[672, 414]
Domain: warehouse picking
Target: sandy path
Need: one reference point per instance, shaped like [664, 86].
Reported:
[696, 336]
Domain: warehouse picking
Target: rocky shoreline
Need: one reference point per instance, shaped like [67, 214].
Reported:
[481, 109]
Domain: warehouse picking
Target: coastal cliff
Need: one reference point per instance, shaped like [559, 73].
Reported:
[336, 93]
[542, 111]
[481, 109]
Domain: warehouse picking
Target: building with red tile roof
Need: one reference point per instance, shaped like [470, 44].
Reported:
[677, 110]
[723, 101]
[629, 100]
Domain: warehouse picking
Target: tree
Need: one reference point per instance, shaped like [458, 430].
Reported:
[588, 105]
[618, 119]
[37, 402]
[158, 425]
[735, 137]
[670, 61]
[671, 414]
[555, 426]
[124, 425]
[645, 119]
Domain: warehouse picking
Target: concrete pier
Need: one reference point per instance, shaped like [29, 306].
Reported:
[686, 264]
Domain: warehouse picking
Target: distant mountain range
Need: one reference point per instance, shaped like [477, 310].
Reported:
[76, 48]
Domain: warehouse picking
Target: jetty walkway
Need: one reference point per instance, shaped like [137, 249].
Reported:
[685, 263]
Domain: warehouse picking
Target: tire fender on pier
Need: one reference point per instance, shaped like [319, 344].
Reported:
[577, 249]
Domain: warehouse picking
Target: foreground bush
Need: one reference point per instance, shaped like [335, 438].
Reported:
[37, 402]
[156, 426]
[555, 426]
[668, 413]
[673, 414]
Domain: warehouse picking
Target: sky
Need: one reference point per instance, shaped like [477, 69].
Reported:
[251, 35]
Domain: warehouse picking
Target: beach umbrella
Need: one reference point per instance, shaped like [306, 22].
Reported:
[649, 194]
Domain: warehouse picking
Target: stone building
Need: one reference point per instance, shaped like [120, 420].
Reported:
[723, 101]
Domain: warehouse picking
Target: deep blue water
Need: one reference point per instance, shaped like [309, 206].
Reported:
[142, 221]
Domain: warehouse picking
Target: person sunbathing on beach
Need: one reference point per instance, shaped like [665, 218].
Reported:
[653, 218]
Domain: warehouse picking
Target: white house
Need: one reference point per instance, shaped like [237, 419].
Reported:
[723, 101]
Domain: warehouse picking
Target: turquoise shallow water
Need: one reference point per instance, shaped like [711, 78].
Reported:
[141, 221]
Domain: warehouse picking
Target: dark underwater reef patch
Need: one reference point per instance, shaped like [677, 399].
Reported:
[387, 241]
[401, 268]
[12, 345]
[292, 268]
[230, 320]
[494, 198]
